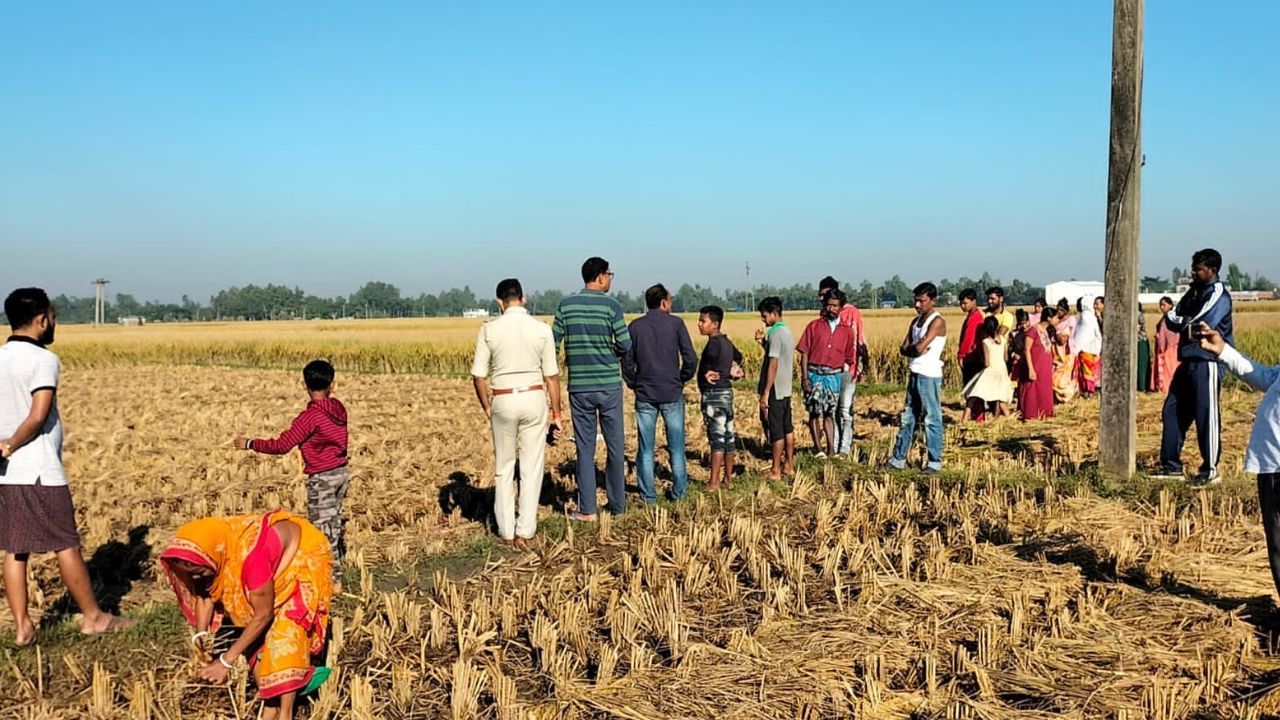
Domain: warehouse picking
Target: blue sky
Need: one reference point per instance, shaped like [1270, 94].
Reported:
[186, 147]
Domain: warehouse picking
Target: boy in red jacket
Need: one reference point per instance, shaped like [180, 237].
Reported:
[320, 432]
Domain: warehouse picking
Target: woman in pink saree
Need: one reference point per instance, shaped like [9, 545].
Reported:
[1166, 355]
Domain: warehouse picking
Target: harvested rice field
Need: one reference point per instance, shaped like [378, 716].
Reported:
[1015, 585]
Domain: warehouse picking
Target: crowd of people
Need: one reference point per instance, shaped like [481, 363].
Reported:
[270, 577]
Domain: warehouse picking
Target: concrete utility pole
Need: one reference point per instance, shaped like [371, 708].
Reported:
[1119, 431]
[100, 301]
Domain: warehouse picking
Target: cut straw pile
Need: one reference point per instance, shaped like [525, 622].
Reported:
[878, 601]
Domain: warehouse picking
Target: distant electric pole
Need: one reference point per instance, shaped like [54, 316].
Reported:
[100, 301]
[750, 304]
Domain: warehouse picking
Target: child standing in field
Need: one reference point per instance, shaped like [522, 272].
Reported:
[320, 432]
[717, 369]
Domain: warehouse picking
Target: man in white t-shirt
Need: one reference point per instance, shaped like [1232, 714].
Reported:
[36, 514]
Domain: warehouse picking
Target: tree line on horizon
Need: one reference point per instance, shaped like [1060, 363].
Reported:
[378, 299]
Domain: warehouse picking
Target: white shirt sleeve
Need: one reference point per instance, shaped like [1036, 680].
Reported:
[1255, 374]
[44, 375]
[549, 367]
[480, 366]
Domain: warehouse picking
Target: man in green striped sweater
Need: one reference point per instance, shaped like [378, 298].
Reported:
[595, 337]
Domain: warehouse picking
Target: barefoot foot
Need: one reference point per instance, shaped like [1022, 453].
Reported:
[26, 634]
[104, 623]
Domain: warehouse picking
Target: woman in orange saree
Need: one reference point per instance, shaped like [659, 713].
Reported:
[268, 574]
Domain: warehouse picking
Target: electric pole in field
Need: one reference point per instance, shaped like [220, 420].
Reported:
[750, 304]
[1118, 438]
[100, 301]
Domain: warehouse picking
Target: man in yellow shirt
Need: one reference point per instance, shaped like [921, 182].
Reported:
[997, 310]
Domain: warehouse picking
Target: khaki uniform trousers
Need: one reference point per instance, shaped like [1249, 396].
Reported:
[519, 424]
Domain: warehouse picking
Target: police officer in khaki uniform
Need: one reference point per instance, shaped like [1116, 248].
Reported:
[517, 383]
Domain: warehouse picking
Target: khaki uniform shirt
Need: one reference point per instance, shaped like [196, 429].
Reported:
[515, 350]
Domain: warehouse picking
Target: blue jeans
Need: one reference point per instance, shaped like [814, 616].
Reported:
[923, 407]
[606, 407]
[647, 431]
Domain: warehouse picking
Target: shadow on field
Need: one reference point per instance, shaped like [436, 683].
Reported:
[884, 417]
[113, 569]
[568, 470]
[1070, 548]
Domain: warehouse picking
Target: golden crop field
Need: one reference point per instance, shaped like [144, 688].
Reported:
[445, 345]
[1016, 585]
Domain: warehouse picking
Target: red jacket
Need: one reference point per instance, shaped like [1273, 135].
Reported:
[969, 334]
[850, 315]
[320, 430]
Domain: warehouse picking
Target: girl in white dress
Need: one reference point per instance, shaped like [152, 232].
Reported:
[991, 387]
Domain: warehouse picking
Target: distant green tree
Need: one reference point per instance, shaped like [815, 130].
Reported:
[1154, 284]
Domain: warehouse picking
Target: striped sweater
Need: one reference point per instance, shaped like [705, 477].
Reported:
[595, 336]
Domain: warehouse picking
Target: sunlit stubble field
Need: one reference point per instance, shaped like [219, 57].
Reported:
[978, 595]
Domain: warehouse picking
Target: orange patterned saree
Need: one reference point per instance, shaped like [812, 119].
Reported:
[303, 590]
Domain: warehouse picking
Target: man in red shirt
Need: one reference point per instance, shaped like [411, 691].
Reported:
[851, 318]
[969, 356]
[828, 348]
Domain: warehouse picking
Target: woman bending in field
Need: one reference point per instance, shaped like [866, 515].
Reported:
[268, 574]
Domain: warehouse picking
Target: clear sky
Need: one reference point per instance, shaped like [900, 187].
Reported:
[188, 146]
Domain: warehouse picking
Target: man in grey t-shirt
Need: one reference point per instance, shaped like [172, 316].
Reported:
[775, 386]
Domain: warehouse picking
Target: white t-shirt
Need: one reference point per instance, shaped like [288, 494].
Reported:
[26, 367]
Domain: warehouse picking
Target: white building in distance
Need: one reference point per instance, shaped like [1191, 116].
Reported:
[475, 313]
[1072, 290]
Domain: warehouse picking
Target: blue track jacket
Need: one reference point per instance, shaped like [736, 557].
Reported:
[1209, 304]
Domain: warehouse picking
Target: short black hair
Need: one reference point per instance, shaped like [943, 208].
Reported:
[1208, 257]
[1041, 302]
[1020, 315]
[771, 304]
[828, 283]
[1064, 305]
[969, 294]
[927, 289]
[318, 375]
[996, 290]
[24, 305]
[1166, 299]
[991, 326]
[837, 294]
[509, 290]
[1048, 313]
[654, 296]
[715, 312]
[593, 268]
